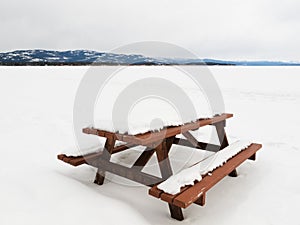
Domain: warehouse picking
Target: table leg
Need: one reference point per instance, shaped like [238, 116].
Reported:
[220, 127]
[162, 152]
[107, 151]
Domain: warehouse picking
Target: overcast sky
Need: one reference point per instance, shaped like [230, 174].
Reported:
[231, 29]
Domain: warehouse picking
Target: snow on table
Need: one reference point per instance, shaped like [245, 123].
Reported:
[141, 99]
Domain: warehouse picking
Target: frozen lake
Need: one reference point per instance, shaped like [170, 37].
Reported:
[36, 124]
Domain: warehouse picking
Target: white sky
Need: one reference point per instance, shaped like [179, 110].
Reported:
[231, 29]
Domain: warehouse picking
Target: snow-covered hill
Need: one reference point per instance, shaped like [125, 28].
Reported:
[87, 57]
[69, 57]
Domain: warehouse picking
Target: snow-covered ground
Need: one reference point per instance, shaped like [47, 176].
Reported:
[36, 124]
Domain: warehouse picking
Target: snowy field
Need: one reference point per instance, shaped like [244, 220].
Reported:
[36, 124]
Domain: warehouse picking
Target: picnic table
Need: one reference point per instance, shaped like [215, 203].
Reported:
[160, 142]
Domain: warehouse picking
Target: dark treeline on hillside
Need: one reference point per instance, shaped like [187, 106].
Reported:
[105, 64]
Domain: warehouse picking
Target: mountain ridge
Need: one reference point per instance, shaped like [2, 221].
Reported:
[42, 57]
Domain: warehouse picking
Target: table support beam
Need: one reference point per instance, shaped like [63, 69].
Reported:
[106, 155]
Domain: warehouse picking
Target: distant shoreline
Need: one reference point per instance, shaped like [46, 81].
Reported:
[108, 64]
[40, 57]
[116, 64]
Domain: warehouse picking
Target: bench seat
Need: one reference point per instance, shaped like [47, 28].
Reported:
[79, 160]
[196, 193]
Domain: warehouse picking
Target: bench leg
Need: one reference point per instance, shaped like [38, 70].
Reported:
[253, 157]
[233, 173]
[107, 151]
[176, 212]
[201, 201]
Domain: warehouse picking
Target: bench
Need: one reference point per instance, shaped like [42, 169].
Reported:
[197, 193]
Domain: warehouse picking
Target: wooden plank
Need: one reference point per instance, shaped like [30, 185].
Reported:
[101, 133]
[253, 157]
[193, 193]
[220, 127]
[148, 138]
[233, 173]
[144, 158]
[162, 153]
[121, 148]
[155, 192]
[129, 173]
[201, 145]
[209, 147]
[201, 201]
[61, 156]
[170, 198]
[67, 159]
[106, 155]
[83, 159]
[79, 160]
[190, 138]
[176, 212]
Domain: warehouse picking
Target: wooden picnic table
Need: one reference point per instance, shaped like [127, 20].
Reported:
[159, 142]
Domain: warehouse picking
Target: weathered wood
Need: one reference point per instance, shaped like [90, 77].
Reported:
[176, 212]
[107, 151]
[61, 156]
[201, 145]
[150, 137]
[201, 200]
[144, 158]
[253, 157]
[121, 148]
[168, 197]
[209, 147]
[162, 153]
[155, 192]
[129, 173]
[79, 160]
[147, 139]
[190, 195]
[190, 138]
[233, 173]
[220, 127]
[196, 193]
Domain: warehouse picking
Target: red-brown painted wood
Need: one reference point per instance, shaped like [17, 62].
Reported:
[193, 193]
[78, 160]
[106, 155]
[196, 193]
[147, 139]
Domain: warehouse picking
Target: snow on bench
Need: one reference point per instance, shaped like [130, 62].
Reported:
[194, 173]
